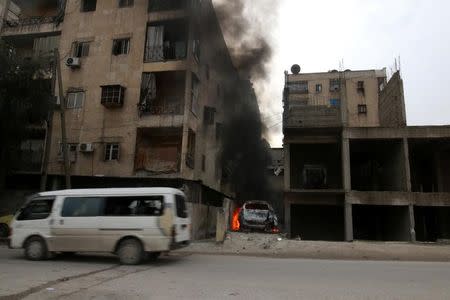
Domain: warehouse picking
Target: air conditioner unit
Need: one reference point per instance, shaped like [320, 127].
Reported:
[73, 62]
[86, 148]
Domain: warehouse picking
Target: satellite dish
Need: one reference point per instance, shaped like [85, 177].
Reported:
[295, 69]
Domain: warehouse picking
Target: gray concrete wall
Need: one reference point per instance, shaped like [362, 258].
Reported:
[204, 220]
[392, 103]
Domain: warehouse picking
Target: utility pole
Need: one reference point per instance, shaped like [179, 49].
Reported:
[63, 121]
[49, 125]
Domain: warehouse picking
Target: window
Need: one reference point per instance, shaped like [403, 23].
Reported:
[362, 109]
[126, 3]
[181, 207]
[121, 46]
[74, 100]
[82, 207]
[335, 85]
[208, 115]
[112, 95]
[360, 87]
[318, 88]
[111, 152]
[194, 94]
[73, 147]
[203, 163]
[134, 206]
[298, 87]
[335, 102]
[88, 5]
[219, 131]
[36, 210]
[81, 49]
[190, 155]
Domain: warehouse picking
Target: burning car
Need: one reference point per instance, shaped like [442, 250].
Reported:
[255, 215]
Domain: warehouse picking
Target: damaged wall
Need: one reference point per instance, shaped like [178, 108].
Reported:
[392, 103]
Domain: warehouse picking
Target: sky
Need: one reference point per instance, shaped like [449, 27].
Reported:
[365, 34]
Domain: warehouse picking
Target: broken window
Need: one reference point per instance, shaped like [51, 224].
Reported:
[81, 49]
[112, 95]
[190, 155]
[194, 94]
[121, 46]
[362, 109]
[88, 5]
[112, 152]
[208, 115]
[162, 93]
[319, 88]
[335, 85]
[298, 87]
[75, 100]
[166, 41]
[126, 3]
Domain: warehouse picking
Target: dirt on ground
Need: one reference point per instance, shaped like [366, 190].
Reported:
[275, 245]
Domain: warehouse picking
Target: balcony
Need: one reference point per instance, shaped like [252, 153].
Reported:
[162, 93]
[166, 41]
[311, 112]
[43, 17]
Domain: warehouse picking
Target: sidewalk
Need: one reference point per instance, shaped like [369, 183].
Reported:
[277, 246]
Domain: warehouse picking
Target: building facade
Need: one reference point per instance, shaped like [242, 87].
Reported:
[144, 83]
[353, 169]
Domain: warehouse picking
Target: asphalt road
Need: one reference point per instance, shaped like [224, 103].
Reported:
[220, 277]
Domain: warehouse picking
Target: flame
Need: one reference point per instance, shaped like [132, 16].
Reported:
[235, 225]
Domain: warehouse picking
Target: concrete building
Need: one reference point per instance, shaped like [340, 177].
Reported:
[145, 84]
[353, 169]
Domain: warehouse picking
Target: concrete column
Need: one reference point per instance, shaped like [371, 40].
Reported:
[287, 218]
[412, 224]
[4, 13]
[287, 167]
[407, 168]
[346, 174]
[348, 222]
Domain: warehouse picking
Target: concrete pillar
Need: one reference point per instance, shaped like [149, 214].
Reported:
[348, 216]
[407, 177]
[346, 173]
[412, 224]
[287, 218]
[4, 12]
[287, 167]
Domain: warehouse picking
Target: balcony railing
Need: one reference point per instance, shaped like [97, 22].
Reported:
[174, 51]
[30, 21]
[162, 108]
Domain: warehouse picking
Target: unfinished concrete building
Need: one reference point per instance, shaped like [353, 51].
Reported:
[353, 169]
[145, 86]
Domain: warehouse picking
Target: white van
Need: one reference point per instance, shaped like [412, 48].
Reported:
[130, 222]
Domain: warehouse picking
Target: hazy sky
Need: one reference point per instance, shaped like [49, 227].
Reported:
[366, 35]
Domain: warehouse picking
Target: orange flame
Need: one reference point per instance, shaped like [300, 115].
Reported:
[235, 224]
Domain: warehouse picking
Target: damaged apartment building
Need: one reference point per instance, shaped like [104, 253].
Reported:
[145, 86]
[353, 169]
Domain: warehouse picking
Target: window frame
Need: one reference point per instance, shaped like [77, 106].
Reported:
[159, 197]
[319, 88]
[34, 200]
[84, 5]
[81, 49]
[78, 101]
[109, 153]
[362, 109]
[125, 3]
[121, 46]
[100, 207]
[111, 96]
[181, 210]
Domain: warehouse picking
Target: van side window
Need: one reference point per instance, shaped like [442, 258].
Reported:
[134, 206]
[181, 207]
[82, 207]
[36, 210]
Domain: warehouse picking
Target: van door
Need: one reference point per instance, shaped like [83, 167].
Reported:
[33, 219]
[76, 226]
[182, 222]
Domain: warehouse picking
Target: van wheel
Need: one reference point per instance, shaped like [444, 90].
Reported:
[4, 230]
[130, 252]
[36, 249]
[152, 256]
